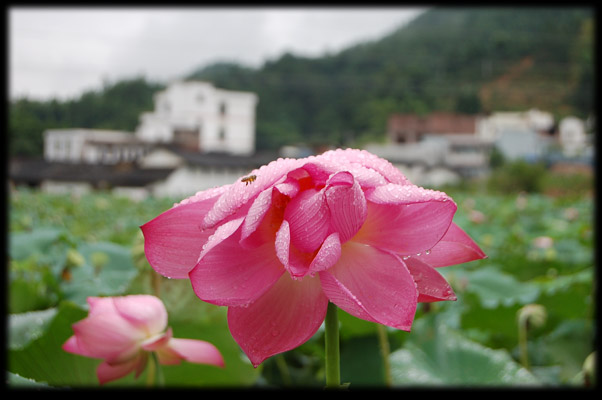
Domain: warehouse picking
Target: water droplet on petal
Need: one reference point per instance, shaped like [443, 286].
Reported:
[427, 252]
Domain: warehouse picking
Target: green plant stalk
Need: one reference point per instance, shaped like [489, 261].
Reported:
[156, 283]
[385, 351]
[333, 362]
[284, 372]
[155, 374]
[522, 343]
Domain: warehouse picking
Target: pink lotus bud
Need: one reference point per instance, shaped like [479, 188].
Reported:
[123, 330]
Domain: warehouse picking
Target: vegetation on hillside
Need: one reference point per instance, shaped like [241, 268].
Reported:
[466, 60]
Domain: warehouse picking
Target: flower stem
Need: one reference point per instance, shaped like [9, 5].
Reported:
[333, 368]
[522, 342]
[531, 315]
[156, 283]
[385, 350]
[155, 374]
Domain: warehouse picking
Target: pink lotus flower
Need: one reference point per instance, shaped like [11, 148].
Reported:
[123, 330]
[344, 226]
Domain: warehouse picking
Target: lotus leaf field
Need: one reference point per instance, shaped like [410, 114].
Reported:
[524, 316]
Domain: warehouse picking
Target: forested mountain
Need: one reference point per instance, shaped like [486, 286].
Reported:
[467, 60]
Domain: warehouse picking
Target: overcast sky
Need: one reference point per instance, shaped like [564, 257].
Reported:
[61, 52]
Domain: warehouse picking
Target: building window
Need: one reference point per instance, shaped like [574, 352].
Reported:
[222, 109]
[222, 135]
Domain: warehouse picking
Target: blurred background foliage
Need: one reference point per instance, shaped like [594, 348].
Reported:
[539, 242]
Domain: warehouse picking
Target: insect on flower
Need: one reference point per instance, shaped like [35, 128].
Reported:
[249, 179]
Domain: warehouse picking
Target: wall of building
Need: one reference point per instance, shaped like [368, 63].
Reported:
[186, 181]
[90, 146]
[572, 136]
[223, 120]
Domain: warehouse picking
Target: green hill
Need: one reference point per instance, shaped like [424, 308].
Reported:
[467, 60]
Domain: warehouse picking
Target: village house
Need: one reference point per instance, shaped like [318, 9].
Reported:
[519, 135]
[92, 146]
[192, 171]
[196, 137]
[436, 149]
[443, 148]
[572, 136]
[411, 128]
[202, 118]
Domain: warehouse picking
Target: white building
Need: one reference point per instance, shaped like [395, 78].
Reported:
[495, 125]
[572, 136]
[196, 138]
[193, 171]
[200, 117]
[438, 159]
[518, 134]
[523, 143]
[91, 146]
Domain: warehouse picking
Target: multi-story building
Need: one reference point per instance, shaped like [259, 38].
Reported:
[202, 118]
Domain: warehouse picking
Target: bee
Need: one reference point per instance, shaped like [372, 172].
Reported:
[249, 179]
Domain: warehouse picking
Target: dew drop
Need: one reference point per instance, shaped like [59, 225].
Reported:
[418, 254]
[427, 252]
[405, 257]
